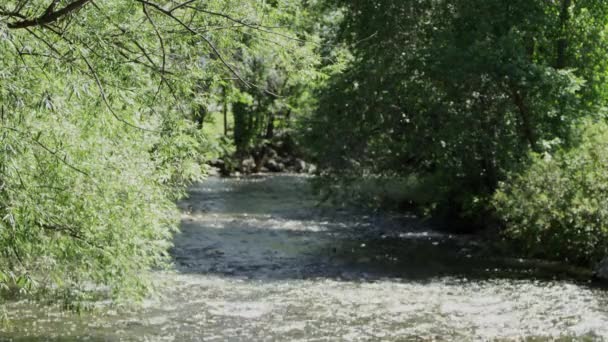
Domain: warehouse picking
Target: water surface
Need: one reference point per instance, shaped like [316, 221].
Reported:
[257, 259]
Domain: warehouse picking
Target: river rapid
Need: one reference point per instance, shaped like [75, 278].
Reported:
[259, 260]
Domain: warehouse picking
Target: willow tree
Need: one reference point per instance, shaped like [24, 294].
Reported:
[97, 137]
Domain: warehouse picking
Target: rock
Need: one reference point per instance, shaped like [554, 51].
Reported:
[274, 166]
[217, 163]
[213, 171]
[221, 166]
[601, 271]
[311, 168]
[287, 160]
[271, 153]
[300, 165]
[247, 165]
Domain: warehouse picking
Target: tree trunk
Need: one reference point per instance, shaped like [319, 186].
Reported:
[225, 99]
[201, 115]
[270, 127]
[240, 111]
[524, 115]
[562, 42]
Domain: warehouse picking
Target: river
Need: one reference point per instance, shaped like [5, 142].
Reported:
[259, 259]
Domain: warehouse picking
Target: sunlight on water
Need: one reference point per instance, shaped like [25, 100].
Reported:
[258, 260]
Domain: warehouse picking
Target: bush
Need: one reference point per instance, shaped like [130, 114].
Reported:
[557, 207]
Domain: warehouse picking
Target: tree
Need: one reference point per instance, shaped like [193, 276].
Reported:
[97, 134]
[458, 92]
[283, 67]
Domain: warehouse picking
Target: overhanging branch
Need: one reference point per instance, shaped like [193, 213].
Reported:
[49, 16]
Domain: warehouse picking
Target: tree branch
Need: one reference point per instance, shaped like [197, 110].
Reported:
[169, 14]
[49, 16]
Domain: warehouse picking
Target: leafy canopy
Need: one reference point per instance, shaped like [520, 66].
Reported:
[98, 132]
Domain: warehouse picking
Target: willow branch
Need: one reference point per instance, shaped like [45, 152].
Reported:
[169, 14]
[49, 16]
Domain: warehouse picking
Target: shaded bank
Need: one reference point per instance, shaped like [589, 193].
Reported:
[279, 154]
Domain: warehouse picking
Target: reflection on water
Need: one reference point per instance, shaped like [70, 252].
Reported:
[258, 260]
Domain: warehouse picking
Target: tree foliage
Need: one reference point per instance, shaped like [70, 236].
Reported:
[459, 92]
[282, 76]
[99, 130]
[103, 103]
[556, 208]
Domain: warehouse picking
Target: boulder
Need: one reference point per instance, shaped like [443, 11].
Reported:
[213, 171]
[299, 165]
[601, 271]
[274, 166]
[218, 163]
[271, 153]
[311, 168]
[221, 166]
[247, 165]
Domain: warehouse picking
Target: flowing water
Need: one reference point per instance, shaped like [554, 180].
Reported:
[257, 260]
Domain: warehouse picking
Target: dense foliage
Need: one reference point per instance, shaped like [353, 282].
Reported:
[557, 207]
[447, 99]
[102, 108]
[283, 76]
[458, 92]
[465, 108]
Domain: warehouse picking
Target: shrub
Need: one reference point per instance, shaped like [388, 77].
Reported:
[557, 207]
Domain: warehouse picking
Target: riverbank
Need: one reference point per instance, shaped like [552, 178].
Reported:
[278, 155]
